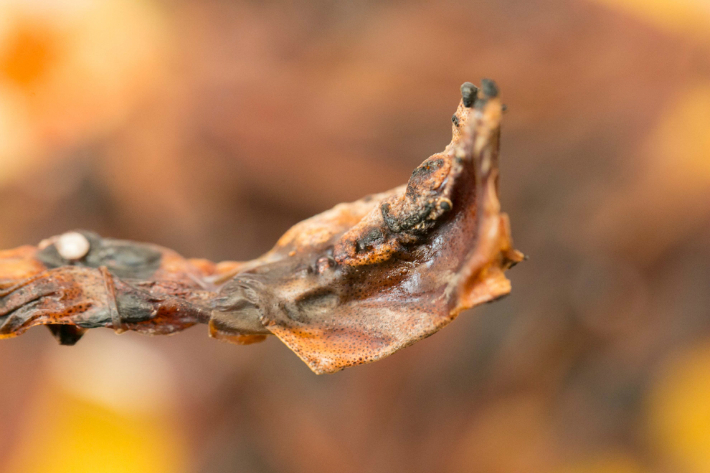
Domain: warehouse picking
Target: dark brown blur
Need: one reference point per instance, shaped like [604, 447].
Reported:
[210, 127]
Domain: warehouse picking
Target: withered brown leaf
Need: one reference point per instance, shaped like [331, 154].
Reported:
[349, 286]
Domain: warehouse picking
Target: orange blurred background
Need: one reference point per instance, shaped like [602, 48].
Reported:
[211, 127]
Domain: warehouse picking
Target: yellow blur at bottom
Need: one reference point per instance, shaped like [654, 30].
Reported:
[679, 411]
[72, 434]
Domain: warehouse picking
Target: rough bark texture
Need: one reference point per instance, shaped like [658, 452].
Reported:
[349, 286]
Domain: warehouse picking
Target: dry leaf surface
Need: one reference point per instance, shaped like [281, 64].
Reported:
[348, 286]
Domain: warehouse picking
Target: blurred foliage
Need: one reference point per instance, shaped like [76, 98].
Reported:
[212, 126]
[101, 414]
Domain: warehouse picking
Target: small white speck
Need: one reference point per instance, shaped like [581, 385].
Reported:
[72, 246]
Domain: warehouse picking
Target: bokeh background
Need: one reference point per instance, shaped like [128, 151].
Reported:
[211, 126]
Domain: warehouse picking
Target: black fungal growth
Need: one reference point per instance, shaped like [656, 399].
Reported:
[490, 89]
[373, 237]
[408, 221]
[468, 94]
[66, 335]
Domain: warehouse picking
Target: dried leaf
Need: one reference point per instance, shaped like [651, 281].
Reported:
[348, 286]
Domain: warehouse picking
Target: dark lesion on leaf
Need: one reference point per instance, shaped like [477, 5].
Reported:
[407, 221]
[124, 259]
[370, 239]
